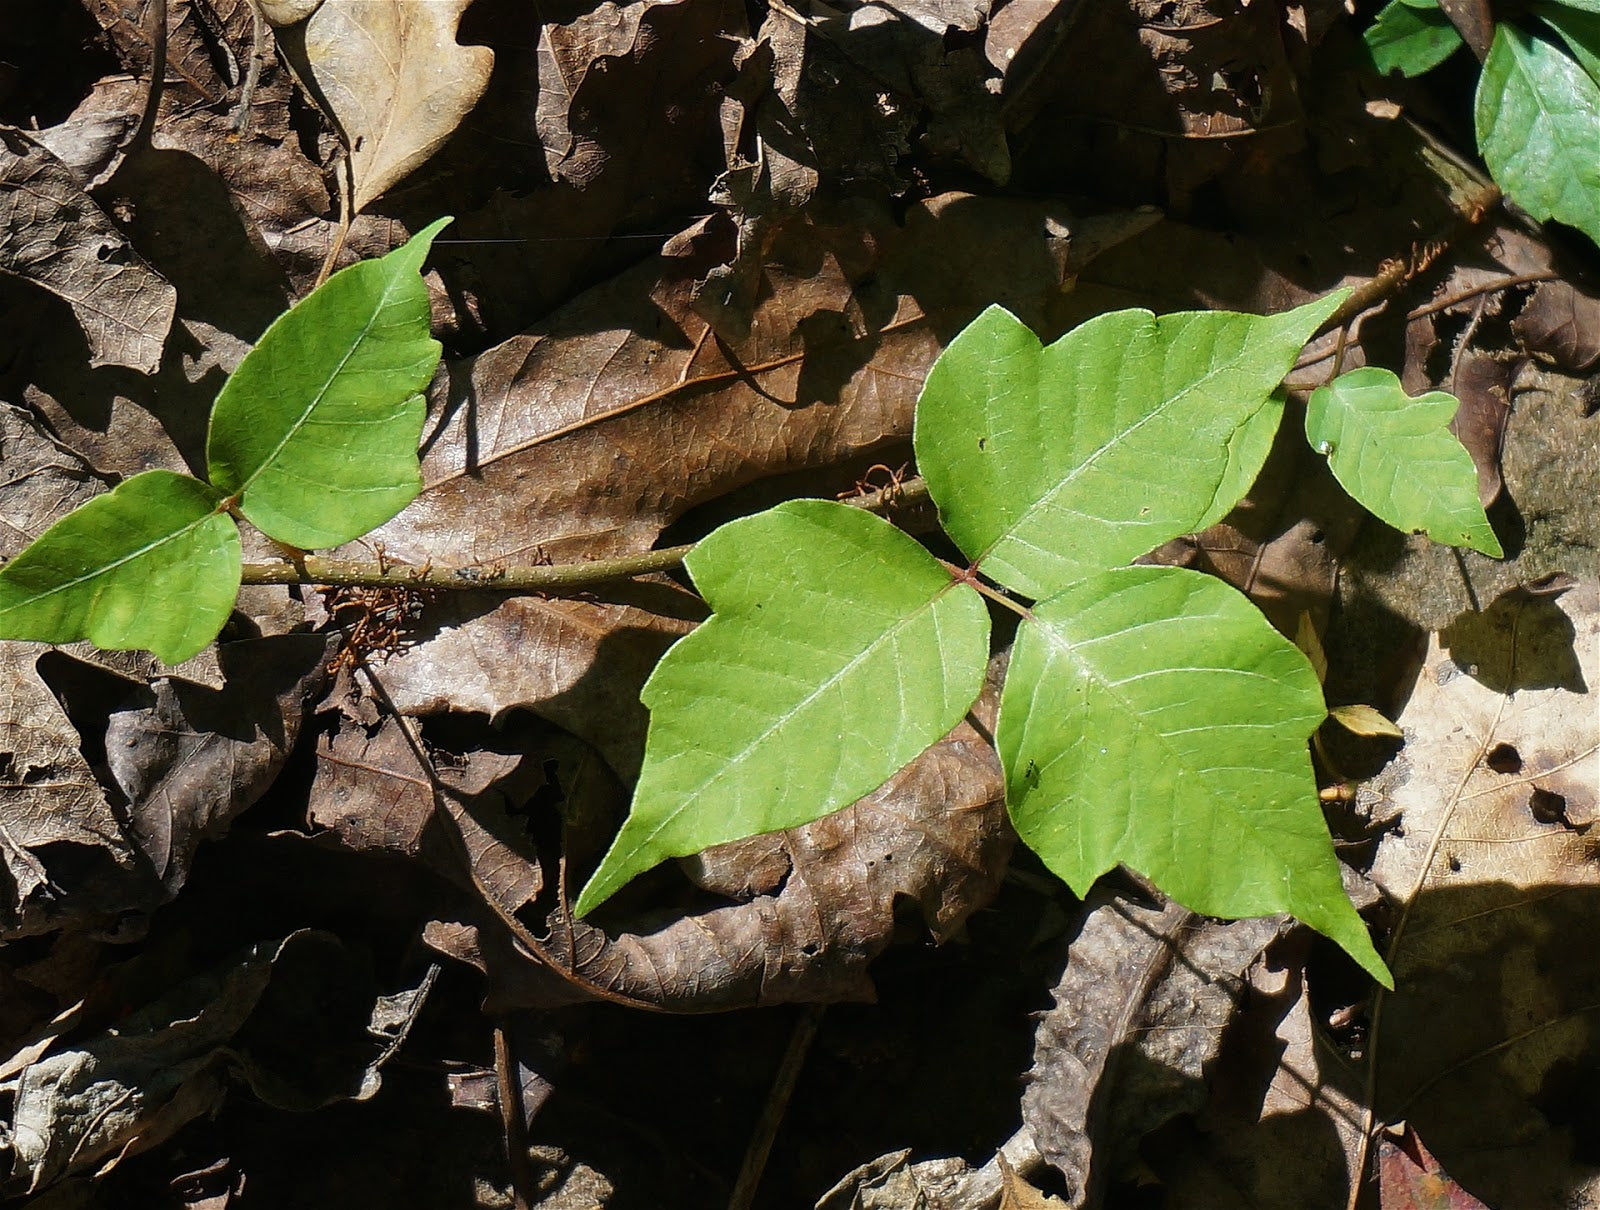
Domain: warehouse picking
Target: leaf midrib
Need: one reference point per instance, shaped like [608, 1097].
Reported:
[1009, 533]
[322, 392]
[733, 763]
[108, 568]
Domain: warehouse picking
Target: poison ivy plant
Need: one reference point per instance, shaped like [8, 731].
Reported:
[313, 439]
[1538, 101]
[1151, 716]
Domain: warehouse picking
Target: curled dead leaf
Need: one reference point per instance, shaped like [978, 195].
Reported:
[1140, 1014]
[823, 909]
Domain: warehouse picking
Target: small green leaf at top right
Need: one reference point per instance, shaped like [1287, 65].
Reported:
[1396, 455]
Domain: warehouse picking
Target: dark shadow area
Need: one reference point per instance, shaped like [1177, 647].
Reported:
[1522, 640]
[1485, 1042]
[50, 57]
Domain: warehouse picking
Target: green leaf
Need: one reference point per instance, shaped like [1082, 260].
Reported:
[1538, 119]
[1151, 716]
[1579, 29]
[316, 432]
[1586, 6]
[1410, 39]
[839, 651]
[150, 564]
[1396, 455]
[1051, 463]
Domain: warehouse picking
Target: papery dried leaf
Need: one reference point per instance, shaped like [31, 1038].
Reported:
[936, 834]
[393, 77]
[1138, 1020]
[1490, 868]
[53, 234]
[1283, 1120]
[87, 1105]
[1562, 323]
[371, 791]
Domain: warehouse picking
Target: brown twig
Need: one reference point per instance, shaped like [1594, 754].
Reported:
[766, 1131]
[240, 122]
[551, 579]
[157, 37]
[346, 217]
[508, 1092]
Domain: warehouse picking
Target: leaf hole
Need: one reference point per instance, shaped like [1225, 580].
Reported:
[1503, 758]
[1454, 863]
[1318, 537]
[983, 443]
[1547, 806]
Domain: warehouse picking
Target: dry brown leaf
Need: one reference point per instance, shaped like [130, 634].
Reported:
[198, 56]
[823, 904]
[1187, 95]
[1562, 323]
[297, 1019]
[53, 234]
[371, 793]
[1409, 1178]
[1284, 1114]
[1486, 1046]
[393, 78]
[1017, 1194]
[1139, 1017]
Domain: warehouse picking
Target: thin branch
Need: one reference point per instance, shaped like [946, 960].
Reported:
[766, 1131]
[552, 579]
[157, 37]
[1492, 287]
[513, 1122]
[555, 579]
[346, 178]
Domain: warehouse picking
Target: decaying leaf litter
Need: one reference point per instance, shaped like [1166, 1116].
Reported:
[705, 257]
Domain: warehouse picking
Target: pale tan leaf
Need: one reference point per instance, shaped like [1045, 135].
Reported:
[393, 78]
[1366, 721]
[1489, 863]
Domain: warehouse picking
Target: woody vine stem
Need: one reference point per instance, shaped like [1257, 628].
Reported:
[555, 579]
